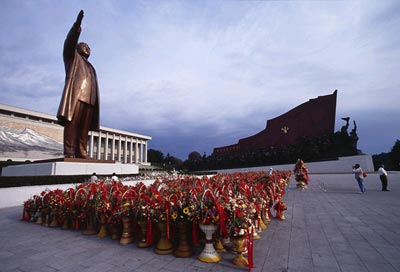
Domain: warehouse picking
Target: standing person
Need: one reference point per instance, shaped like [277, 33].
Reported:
[383, 177]
[271, 171]
[114, 177]
[358, 174]
[93, 178]
[79, 107]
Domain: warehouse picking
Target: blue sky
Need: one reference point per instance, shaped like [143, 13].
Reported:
[195, 75]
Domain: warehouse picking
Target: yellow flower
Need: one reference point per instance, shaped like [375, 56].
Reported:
[126, 204]
[186, 210]
[174, 215]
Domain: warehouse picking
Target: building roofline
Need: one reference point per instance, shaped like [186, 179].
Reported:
[53, 118]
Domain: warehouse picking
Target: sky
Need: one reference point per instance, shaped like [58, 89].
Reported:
[195, 75]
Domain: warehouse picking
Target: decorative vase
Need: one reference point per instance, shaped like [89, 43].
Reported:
[66, 222]
[32, 213]
[256, 236]
[127, 234]
[116, 230]
[302, 185]
[54, 215]
[219, 247]
[164, 246]
[262, 225]
[209, 254]
[90, 230]
[45, 217]
[184, 250]
[143, 229]
[264, 217]
[280, 208]
[103, 226]
[239, 244]
[39, 219]
[226, 242]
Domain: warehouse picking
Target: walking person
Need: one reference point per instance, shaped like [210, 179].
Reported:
[359, 175]
[383, 177]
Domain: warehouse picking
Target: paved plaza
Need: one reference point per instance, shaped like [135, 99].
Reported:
[328, 227]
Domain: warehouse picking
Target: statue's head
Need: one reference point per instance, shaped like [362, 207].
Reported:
[83, 49]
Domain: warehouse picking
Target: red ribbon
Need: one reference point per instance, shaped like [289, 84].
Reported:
[167, 220]
[76, 224]
[250, 247]
[24, 215]
[195, 240]
[149, 234]
[221, 215]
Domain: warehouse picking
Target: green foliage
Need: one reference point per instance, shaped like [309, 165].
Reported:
[395, 155]
[155, 156]
[169, 162]
[383, 158]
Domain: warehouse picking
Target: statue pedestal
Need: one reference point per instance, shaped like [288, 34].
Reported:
[70, 166]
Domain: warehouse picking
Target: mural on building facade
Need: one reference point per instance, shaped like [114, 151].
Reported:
[20, 144]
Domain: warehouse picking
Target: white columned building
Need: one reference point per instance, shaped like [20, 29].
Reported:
[123, 151]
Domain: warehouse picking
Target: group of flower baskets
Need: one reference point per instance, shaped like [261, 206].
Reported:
[230, 209]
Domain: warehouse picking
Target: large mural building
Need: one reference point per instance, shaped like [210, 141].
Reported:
[311, 119]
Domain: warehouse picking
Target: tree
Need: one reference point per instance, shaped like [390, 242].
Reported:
[194, 155]
[172, 162]
[395, 155]
[155, 156]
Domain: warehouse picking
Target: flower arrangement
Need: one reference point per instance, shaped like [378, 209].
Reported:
[239, 216]
[126, 204]
[115, 200]
[30, 209]
[102, 200]
[78, 210]
[209, 212]
[234, 201]
[160, 208]
[54, 198]
[183, 207]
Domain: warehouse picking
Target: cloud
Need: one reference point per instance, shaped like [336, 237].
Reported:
[204, 74]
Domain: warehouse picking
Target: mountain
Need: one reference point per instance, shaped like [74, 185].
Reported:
[15, 140]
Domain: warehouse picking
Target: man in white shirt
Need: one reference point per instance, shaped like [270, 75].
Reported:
[93, 178]
[271, 171]
[114, 177]
[383, 176]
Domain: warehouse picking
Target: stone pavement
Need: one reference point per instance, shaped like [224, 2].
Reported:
[328, 227]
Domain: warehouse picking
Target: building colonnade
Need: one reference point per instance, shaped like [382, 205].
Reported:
[110, 144]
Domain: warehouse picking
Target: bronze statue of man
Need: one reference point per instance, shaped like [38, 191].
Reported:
[79, 107]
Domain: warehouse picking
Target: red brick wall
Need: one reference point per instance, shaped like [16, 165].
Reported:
[310, 119]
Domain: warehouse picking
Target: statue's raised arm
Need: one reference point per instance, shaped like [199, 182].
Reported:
[72, 38]
[79, 18]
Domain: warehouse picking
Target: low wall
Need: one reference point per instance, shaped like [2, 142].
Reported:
[68, 168]
[15, 196]
[342, 165]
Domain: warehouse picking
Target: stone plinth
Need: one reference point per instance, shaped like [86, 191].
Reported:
[70, 166]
